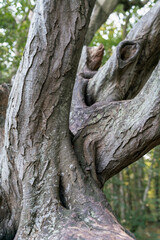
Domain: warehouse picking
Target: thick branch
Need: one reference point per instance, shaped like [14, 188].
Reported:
[124, 74]
[121, 132]
[114, 133]
[37, 116]
[131, 64]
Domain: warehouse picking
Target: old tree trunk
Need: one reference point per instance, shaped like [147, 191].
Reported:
[51, 177]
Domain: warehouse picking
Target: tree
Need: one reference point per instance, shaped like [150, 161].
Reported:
[51, 179]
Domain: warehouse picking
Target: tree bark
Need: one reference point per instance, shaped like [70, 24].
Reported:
[51, 181]
[122, 121]
[45, 194]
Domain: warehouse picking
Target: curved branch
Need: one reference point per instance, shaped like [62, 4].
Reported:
[113, 133]
[131, 64]
[122, 132]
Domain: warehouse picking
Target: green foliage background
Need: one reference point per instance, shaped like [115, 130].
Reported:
[134, 194]
[14, 25]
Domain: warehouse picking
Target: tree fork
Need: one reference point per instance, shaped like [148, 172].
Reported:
[50, 184]
[100, 132]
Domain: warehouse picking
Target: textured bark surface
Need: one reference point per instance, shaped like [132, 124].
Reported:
[131, 64]
[50, 180]
[120, 116]
[37, 131]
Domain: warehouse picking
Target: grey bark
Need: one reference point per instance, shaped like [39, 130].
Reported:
[139, 51]
[45, 194]
[122, 122]
[50, 183]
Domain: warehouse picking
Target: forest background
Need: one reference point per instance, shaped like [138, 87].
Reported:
[134, 192]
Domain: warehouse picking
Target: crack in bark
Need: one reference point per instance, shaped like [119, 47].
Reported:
[105, 88]
[55, 183]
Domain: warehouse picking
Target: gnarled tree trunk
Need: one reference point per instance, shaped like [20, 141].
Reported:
[51, 179]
